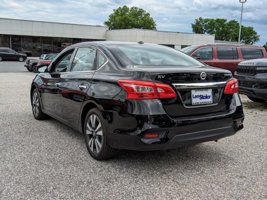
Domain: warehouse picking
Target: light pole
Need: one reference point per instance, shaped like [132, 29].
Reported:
[241, 17]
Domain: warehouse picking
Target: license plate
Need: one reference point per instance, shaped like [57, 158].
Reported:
[201, 97]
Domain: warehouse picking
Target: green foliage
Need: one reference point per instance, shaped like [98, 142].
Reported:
[225, 30]
[265, 46]
[127, 18]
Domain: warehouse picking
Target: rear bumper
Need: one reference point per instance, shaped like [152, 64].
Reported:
[181, 134]
[130, 130]
[136, 143]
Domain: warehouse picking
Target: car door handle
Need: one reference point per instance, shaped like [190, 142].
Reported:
[82, 87]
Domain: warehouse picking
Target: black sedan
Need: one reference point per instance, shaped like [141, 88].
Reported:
[136, 96]
[31, 64]
[7, 54]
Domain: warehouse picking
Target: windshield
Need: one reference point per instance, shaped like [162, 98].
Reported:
[152, 55]
[187, 49]
[50, 56]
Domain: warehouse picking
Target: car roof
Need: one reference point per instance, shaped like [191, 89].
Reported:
[230, 45]
[5, 48]
[106, 43]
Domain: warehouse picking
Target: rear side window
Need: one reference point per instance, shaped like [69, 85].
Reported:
[227, 53]
[4, 51]
[203, 54]
[251, 53]
[101, 60]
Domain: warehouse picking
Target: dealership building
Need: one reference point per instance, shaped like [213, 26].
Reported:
[37, 37]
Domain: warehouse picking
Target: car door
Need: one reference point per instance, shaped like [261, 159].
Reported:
[12, 55]
[6, 54]
[51, 90]
[74, 84]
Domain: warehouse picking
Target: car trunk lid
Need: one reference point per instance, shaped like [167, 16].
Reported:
[200, 90]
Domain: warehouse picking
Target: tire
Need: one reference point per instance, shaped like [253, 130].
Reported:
[95, 133]
[21, 59]
[36, 106]
[34, 68]
[1, 59]
[28, 69]
[256, 99]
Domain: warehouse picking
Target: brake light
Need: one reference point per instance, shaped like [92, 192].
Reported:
[151, 135]
[146, 90]
[231, 87]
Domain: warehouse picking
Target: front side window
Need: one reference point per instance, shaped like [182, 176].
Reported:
[84, 59]
[251, 53]
[4, 51]
[203, 54]
[227, 53]
[64, 62]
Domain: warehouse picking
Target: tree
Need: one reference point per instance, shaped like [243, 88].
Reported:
[127, 18]
[225, 30]
[265, 46]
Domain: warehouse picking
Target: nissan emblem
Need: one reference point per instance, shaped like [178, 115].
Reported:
[203, 75]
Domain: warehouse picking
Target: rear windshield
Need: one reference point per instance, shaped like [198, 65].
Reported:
[152, 55]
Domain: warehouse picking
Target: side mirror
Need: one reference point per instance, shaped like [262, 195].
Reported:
[43, 69]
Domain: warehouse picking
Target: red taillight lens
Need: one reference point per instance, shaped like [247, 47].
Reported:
[151, 135]
[231, 87]
[146, 90]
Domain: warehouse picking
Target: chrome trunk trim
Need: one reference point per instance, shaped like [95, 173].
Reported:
[199, 85]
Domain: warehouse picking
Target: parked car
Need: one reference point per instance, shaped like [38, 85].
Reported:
[8, 54]
[31, 63]
[136, 96]
[45, 60]
[226, 56]
[252, 77]
[43, 56]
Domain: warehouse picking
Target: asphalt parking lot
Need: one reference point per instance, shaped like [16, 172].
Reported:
[48, 160]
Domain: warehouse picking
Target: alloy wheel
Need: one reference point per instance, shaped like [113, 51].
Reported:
[35, 104]
[94, 133]
[21, 59]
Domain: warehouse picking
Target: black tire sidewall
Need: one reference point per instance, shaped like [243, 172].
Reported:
[34, 68]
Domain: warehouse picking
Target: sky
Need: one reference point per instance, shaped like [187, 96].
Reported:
[170, 15]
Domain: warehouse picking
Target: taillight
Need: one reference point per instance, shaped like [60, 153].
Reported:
[231, 87]
[146, 90]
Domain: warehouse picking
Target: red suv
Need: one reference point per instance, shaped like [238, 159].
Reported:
[226, 56]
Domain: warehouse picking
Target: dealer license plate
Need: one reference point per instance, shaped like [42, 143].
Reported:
[201, 97]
